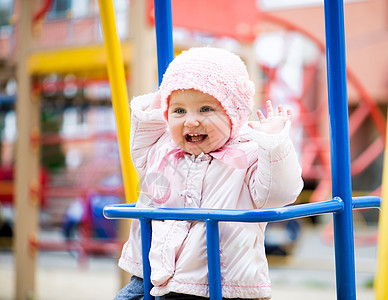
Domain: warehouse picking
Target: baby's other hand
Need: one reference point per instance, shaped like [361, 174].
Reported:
[156, 103]
[273, 123]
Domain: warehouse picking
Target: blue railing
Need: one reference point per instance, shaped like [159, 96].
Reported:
[341, 205]
[212, 216]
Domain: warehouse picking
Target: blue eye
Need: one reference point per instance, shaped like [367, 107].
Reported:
[179, 111]
[206, 109]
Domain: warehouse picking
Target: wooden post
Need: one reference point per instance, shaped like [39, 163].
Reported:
[143, 70]
[27, 183]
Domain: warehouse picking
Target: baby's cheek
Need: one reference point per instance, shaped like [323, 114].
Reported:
[176, 136]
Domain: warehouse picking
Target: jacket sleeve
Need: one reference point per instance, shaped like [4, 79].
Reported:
[147, 128]
[275, 179]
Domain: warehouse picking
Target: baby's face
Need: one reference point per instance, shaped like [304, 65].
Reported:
[197, 122]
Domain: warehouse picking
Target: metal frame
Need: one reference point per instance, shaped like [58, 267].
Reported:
[342, 203]
[212, 216]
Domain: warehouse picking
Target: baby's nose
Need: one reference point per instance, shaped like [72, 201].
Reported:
[191, 121]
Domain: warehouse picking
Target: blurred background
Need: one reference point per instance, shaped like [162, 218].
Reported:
[59, 157]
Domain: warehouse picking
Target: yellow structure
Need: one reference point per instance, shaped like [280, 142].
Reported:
[381, 284]
[76, 59]
[119, 96]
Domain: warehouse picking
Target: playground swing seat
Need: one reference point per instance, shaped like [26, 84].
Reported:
[340, 206]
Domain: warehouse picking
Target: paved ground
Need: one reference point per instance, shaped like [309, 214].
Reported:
[307, 274]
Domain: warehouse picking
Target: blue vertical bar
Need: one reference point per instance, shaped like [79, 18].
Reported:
[213, 259]
[146, 233]
[340, 152]
[163, 29]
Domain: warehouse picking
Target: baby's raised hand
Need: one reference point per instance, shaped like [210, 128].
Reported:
[273, 123]
[156, 103]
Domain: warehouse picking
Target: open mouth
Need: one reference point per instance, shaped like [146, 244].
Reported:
[195, 137]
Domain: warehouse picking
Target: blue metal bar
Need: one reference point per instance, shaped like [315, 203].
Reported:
[366, 202]
[164, 39]
[213, 257]
[146, 232]
[339, 141]
[212, 217]
[232, 215]
[282, 214]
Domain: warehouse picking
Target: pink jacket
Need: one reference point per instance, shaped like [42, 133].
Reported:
[252, 171]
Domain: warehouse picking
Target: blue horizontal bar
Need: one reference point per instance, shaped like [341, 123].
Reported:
[232, 215]
[366, 202]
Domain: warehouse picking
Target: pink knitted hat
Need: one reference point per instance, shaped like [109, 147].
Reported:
[216, 72]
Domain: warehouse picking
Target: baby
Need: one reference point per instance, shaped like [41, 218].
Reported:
[193, 147]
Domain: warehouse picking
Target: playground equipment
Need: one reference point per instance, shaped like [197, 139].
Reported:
[313, 147]
[342, 203]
